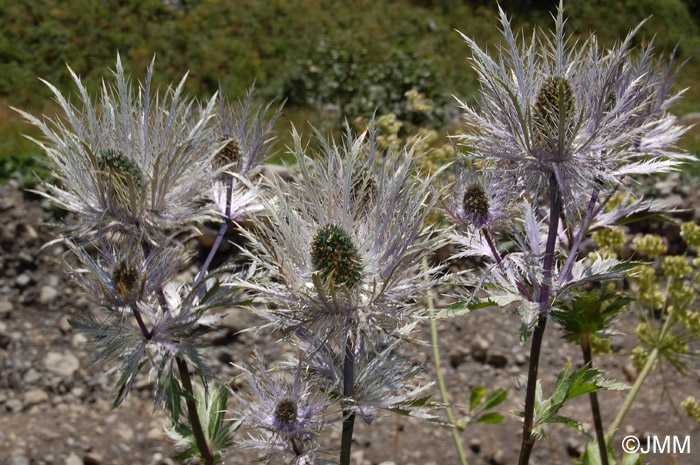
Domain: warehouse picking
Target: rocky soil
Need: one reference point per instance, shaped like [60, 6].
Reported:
[55, 406]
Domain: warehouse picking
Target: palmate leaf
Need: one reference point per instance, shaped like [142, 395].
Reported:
[590, 312]
[568, 386]
[478, 410]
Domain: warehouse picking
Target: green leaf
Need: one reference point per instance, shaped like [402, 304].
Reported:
[490, 418]
[476, 395]
[495, 398]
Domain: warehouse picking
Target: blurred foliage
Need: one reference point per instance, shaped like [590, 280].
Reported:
[330, 58]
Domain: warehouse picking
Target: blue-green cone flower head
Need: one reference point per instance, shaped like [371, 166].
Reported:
[555, 103]
[334, 255]
[286, 410]
[120, 168]
[126, 278]
[475, 202]
[229, 155]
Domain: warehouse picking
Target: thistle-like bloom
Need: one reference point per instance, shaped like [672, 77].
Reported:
[287, 413]
[343, 247]
[584, 115]
[245, 130]
[476, 200]
[130, 160]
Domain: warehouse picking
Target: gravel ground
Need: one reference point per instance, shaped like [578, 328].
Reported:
[55, 406]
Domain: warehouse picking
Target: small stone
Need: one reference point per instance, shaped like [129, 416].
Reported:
[520, 359]
[48, 294]
[78, 340]
[35, 396]
[155, 433]
[457, 358]
[23, 280]
[496, 457]
[49, 459]
[480, 347]
[574, 448]
[32, 235]
[5, 306]
[73, 459]
[63, 324]
[64, 364]
[18, 460]
[497, 360]
[92, 458]
[475, 445]
[31, 376]
[13, 405]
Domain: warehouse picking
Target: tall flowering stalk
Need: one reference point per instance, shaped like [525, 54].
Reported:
[340, 269]
[137, 168]
[560, 126]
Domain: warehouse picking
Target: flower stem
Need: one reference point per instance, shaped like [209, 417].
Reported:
[196, 425]
[440, 380]
[348, 391]
[612, 429]
[142, 326]
[212, 252]
[595, 408]
[528, 440]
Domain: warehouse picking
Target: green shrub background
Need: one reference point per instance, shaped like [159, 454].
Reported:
[351, 56]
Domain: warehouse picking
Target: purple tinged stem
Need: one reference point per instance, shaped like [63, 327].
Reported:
[528, 440]
[348, 391]
[573, 252]
[144, 330]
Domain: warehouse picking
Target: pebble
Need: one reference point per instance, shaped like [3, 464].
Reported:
[520, 359]
[23, 280]
[496, 457]
[63, 324]
[73, 459]
[480, 347]
[5, 306]
[35, 396]
[64, 364]
[13, 405]
[48, 294]
[497, 360]
[18, 460]
[92, 458]
[32, 235]
[475, 445]
[78, 340]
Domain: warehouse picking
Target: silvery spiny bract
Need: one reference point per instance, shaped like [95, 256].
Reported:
[343, 245]
[246, 132]
[286, 412]
[382, 378]
[552, 105]
[130, 160]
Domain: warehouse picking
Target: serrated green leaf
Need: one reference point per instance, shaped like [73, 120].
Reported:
[490, 418]
[464, 307]
[495, 397]
[476, 395]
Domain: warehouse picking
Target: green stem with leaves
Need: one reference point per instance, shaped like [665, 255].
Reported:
[197, 430]
[440, 380]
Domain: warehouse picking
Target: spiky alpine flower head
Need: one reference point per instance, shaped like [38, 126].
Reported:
[121, 275]
[338, 251]
[243, 132]
[130, 160]
[285, 412]
[476, 200]
[554, 106]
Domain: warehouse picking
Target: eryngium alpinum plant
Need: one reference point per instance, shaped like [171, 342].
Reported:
[136, 168]
[339, 260]
[561, 125]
